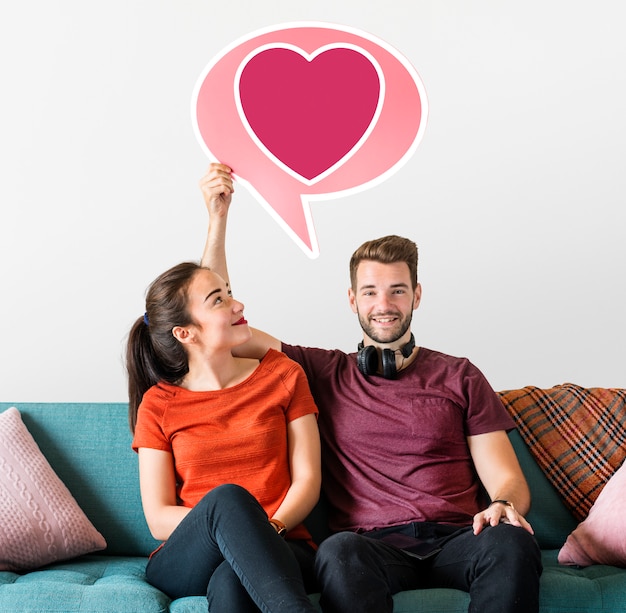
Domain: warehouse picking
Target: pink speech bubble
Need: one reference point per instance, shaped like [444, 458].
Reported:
[308, 111]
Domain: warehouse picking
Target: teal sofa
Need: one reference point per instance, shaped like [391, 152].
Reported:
[88, 445]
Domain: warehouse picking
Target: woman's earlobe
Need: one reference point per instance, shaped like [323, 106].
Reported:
[181, 334]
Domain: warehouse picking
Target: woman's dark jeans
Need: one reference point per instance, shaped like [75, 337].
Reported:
[226, 549]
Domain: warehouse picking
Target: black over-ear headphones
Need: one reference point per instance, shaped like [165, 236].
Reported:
[367, 358]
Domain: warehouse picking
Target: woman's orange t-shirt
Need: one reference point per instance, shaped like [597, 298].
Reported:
[235, 435]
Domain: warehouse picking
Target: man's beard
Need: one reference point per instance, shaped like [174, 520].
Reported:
[386, 336]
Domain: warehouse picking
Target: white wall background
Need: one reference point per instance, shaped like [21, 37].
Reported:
[515, 195]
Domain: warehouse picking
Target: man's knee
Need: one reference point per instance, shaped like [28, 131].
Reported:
[511, 546]
[349, 570]
[339, 550]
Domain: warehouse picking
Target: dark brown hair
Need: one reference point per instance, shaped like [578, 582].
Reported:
[152, 352]
[386, 250]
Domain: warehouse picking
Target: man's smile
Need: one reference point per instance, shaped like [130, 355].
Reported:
[384, 319]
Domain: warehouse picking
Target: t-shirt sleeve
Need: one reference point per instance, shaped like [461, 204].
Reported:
[301, 402]
[293, 352]
[485, 411]
[148, 430]
[318, 364]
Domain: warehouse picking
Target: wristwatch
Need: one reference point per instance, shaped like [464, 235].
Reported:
[504, 502]
[280, 528]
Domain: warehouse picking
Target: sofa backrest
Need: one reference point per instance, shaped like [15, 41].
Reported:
[550, 518]
[88, 446]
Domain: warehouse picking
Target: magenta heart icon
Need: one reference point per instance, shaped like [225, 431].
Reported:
[310, 113]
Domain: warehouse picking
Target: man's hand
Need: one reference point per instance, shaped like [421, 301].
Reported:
[217, 189]
[498, 512]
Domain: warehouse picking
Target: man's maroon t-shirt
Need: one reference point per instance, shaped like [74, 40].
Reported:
[395, 450]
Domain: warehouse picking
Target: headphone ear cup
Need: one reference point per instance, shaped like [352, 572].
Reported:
[389, 364]
[367, 360]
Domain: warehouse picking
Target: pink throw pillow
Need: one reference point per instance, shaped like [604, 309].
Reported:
[41, 521]
[601, 537]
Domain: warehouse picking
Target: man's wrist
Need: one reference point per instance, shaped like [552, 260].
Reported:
[506, 503]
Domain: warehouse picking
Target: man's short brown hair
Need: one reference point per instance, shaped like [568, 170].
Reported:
[386, 250]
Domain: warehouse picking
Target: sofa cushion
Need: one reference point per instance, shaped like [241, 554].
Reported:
[568, 589]
[435, 600]
[601, 538]
[563, 590]
[91, 584]
[41, 521]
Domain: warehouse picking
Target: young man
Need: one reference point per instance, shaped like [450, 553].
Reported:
[412, 439]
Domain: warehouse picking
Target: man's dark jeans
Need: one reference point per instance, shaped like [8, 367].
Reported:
[500, 568]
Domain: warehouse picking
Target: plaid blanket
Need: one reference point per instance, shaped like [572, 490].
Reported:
[576, 435]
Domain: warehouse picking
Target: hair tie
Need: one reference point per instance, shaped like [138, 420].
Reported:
[145, 319]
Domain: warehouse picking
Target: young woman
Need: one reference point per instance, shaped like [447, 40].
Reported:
[229, 457]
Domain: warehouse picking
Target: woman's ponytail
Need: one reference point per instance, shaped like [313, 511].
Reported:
[152, 352]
